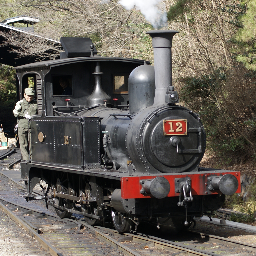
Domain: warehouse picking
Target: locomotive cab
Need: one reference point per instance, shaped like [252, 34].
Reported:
[79, 76]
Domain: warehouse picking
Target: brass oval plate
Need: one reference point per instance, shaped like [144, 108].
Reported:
[41, 136]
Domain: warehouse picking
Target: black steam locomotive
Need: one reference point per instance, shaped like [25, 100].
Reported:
[111, 143]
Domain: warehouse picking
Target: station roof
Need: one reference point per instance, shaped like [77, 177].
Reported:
[9, 54]
[21, 19]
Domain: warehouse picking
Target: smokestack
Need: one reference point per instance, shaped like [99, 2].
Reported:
[162, 44]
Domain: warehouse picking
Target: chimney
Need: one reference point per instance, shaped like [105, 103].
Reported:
[162, 44]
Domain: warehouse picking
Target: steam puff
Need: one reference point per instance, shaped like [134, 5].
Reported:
[119, 157]
[150, 9]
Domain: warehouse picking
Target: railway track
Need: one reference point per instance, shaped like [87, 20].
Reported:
[7, 152]
[192, 243]
[74, 237]
[9, 161]
[63, 237]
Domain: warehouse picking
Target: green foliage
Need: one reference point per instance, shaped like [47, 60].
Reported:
[235, 11]
[7, 86]
[248, 217]
[233, 201]
[248, 20]
[200, 94]
[226, 112]
[96, 39]
[7, 97]
[177, 10]
[246, 53]
[244, 210]
[221, 90]
[142, 42]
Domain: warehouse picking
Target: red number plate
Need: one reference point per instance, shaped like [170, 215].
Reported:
[175, 127]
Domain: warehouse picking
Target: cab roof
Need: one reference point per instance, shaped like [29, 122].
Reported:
[68, 61]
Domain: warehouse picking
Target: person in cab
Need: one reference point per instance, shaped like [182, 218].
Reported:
[24, 110]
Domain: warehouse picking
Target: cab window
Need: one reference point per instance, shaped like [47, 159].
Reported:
[29, 80]
[62, 85]
[121, 84]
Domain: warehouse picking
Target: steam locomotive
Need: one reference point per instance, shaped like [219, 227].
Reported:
[116, 146]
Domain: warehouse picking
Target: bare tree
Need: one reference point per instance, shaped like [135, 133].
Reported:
[26, 44]
[218, 87]
[114, 30]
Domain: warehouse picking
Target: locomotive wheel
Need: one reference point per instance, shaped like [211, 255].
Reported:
[61, 213]
[121, 223]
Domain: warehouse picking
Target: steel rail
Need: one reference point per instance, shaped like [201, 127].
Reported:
[108, 239]
[161, 242]
[10, 151]
[228, 240]
[16, 183]
[14, 162]
[29, 209]
[47, 246]
[169, 244]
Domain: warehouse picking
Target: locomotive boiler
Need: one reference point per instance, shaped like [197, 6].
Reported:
[119, 148]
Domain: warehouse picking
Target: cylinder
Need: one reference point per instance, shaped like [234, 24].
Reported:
[162, 44]
[116, 201]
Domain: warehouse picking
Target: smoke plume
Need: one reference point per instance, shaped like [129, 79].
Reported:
[149, 8]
